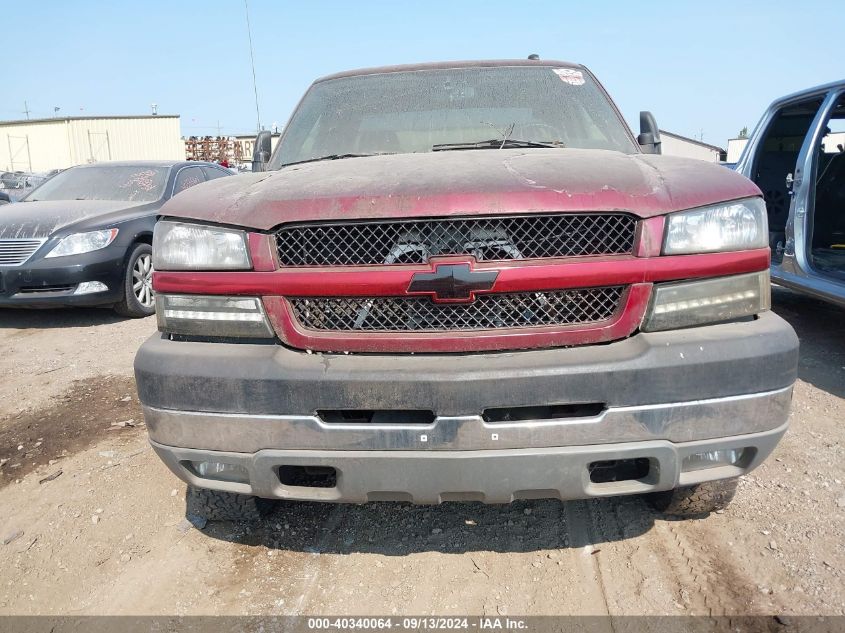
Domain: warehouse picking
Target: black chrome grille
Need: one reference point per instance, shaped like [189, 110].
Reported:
[495, 311]
[487, 239]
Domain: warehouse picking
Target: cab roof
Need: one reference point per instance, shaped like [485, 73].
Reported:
[490, 63]
[808, 92]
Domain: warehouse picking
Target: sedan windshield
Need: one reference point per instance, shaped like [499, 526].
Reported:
[452, 109]
[139, 183]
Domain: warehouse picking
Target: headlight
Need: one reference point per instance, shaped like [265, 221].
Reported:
[678, 305]
[734, 226]
[180, 246]
[79, 243]
[202, 315]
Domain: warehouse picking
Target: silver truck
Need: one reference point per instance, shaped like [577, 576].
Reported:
[796, 155]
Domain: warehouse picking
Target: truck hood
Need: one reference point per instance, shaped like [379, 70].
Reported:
[43, 218]
[465, 182]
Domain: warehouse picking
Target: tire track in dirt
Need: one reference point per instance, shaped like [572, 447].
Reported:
[692, 573]
[582, 536]
[709, 583]
[633, 518]
[314, 563]
[622, 531]
[607, 530]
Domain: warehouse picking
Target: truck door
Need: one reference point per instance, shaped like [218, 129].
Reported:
[771, 161]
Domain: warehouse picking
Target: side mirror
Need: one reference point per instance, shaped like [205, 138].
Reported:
[649, 137]
[262, 150]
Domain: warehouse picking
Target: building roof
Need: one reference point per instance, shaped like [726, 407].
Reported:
[687, 139]
[489, 63]
[88, 118]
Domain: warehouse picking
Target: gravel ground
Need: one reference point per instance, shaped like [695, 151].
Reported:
[93, 523]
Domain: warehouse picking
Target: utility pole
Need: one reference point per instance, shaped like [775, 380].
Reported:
[26, 110]
[252, 61]
[218, 127]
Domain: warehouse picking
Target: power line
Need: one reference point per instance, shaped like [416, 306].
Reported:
[252, 61]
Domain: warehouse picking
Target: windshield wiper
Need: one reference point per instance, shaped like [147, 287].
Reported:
[332, 157]
[495, 143]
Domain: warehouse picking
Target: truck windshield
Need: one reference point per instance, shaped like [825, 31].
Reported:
[455, 108]
[140, 183]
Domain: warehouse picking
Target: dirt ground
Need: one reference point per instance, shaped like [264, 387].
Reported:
[91, 522]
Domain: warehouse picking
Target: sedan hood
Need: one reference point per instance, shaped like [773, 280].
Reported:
[465, 182]
[40, 219]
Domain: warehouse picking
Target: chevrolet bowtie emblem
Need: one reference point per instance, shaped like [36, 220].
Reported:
[453, 282]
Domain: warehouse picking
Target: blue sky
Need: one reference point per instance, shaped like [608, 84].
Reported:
[703, 68]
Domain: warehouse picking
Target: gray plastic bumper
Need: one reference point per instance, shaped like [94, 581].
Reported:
[491, 476]
[664, 395]
[655, 368]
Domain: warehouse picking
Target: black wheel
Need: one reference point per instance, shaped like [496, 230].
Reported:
[138, 298]
[216, 505]
[695, 500]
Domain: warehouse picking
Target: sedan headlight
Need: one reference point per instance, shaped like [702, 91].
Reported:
[182, 246]
[79, 243]
[733, 226]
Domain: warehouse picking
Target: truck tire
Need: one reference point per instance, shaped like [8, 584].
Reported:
[697, 500]
[216, 505]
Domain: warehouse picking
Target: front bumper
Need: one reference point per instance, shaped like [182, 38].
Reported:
[490, 476]
[43, 283]
[662, 396]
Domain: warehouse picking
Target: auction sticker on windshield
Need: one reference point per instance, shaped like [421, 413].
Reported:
[570, 76]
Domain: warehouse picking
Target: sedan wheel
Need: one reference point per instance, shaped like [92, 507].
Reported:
[139, 298]
[142, 280]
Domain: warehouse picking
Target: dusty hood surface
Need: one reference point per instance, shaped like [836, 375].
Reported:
[41, 219]
[461, 183]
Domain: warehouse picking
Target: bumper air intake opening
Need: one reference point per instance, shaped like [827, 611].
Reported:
[543, 412]
[308, 476]
[376, 416]
[25, 290]
[613, 470]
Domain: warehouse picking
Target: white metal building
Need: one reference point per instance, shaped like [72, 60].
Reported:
[830, 143]
[677, 145]
[39, 145]
[735, 147]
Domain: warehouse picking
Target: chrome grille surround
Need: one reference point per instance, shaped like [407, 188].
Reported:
[16, 251]
[575, 306]
[509, 237]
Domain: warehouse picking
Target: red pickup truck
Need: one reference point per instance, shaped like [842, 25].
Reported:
[465, 281]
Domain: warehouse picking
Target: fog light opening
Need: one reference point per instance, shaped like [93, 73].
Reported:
[308, 476]
[90, 287]
[220, 471]
[715, 459]
[612, 470]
